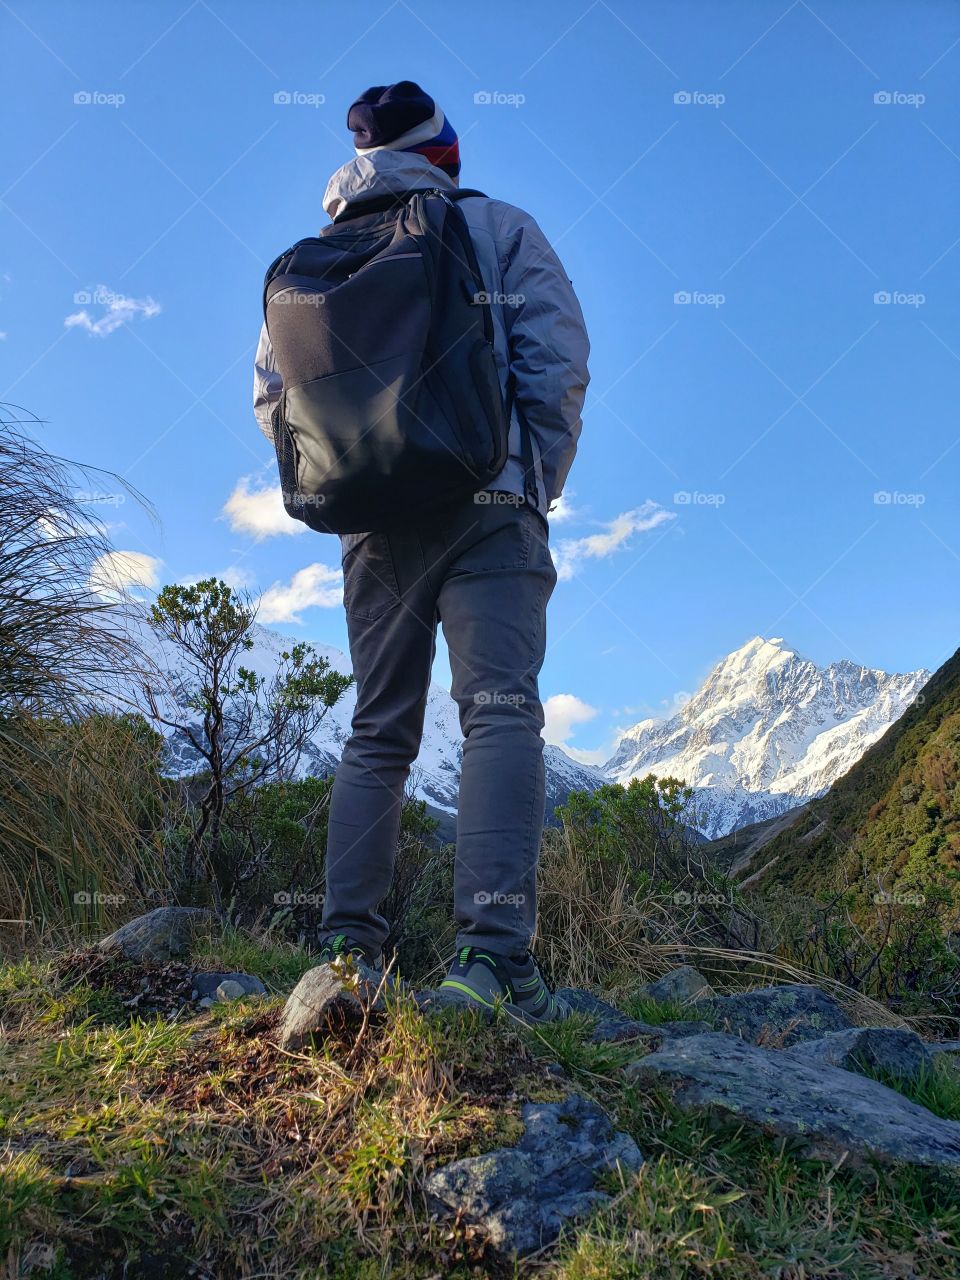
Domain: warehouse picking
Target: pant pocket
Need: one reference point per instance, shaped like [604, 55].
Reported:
[369, 577]
[499, 536]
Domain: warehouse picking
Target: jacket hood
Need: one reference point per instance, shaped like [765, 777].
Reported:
[382, 173]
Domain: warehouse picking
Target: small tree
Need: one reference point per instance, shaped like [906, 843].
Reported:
[247, 728]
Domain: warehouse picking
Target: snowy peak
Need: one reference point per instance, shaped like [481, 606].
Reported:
[768, 729]
[756, 669]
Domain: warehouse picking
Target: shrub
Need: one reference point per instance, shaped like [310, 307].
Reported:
[622, 878]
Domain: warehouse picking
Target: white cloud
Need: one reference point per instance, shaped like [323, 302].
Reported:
[114, 310]
[316, 586]
[562, 713]
[259, 512]
[562, 510]
[616, 535]
[115, 574]
[3, 335]
[235, 576]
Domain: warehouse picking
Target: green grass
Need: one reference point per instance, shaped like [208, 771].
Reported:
[278, 963]
[937, 1088]
[191, 1140]
[659, 1011]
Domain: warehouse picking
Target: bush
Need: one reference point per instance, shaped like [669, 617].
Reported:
[898, 946]
[622, 878]
[277, 832]
[245, 727]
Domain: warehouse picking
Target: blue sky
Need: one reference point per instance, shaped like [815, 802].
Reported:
[781, 165]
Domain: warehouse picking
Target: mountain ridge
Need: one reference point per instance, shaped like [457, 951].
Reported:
[894, 816]
[766, 731]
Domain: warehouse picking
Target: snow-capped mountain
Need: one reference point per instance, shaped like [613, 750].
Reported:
[435, 776]
[766, 731]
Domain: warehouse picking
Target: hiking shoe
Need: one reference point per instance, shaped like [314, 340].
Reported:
[483, 977]
[337, 946]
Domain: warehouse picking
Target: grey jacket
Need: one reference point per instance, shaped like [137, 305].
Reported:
[539, 329]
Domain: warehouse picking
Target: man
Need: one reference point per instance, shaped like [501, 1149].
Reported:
[484, 572]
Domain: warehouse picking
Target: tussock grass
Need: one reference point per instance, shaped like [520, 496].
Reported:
[73, 816]
[601, 929]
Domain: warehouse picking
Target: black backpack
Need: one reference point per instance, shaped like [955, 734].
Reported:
[382, 331]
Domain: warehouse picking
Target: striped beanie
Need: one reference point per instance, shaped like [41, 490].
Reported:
[401, 117]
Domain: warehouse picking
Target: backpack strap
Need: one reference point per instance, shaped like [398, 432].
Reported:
[380, 204]
[526, 444]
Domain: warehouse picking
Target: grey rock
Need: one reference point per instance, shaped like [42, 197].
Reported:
[230, 991]
[782, 1015]
[166, 933]
[950, 1049]
[206, 1003]
[683, 1027]
[521, 1196]
[612, 1025]
[895, 1051]
[829, 1110]
[206, 984]
[320, 1002]
[684, 985]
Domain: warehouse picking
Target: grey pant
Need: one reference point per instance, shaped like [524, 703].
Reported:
[486, 575]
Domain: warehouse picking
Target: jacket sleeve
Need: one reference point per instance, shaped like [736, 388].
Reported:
[267, 385]
[548, 344]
